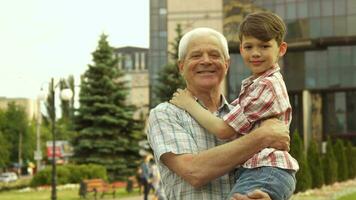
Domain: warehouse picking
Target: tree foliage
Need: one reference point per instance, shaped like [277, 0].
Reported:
[351, 159]
[107, 133]
[169, 78]
[330, 164]
[343, 171]
[315, 164]
[303, 176]
[17, 135]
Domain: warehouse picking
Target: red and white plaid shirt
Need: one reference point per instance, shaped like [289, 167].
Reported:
[262, 98]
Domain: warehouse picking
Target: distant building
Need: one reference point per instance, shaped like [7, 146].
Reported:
[133, 61]
[31, 107]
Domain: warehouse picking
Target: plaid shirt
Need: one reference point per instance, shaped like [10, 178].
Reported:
[261, 98]
[171, 129]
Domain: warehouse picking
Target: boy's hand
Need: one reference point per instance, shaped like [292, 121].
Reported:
[182, 99]
[256, 194]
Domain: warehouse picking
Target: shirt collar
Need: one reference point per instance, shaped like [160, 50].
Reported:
[252, 79]
[223, 103]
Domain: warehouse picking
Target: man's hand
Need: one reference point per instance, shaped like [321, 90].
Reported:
[278, 134]
[256, 194]
[183, 99]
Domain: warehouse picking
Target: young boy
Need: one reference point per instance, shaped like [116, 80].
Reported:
[263, 95]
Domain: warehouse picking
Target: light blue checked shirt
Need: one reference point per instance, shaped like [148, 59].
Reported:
[171, 129]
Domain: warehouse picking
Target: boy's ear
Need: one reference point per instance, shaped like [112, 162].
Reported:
[283, 49]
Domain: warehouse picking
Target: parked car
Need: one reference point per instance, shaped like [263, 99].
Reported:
[8, 177]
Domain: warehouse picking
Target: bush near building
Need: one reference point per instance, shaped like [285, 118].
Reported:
[315, 164]
[351, 159]
[330, 164]
[342, 169]
[303, 176]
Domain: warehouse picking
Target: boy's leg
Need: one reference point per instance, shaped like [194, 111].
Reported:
[278, 183]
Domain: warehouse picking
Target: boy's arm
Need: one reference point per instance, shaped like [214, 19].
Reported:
[215, 125]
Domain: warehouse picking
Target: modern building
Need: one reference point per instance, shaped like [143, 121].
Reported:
[31, 106]
[133, 61]
[319, 67]
[165, 15]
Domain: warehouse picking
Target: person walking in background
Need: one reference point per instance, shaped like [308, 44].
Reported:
[146, 176]
[193, 163]
[263, 95]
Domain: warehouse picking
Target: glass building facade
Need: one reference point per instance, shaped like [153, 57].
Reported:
[158, 55]
[321, 59]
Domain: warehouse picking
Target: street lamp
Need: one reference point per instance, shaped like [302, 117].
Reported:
[65, 94]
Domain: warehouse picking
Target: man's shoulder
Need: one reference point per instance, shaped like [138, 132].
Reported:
[164, 108]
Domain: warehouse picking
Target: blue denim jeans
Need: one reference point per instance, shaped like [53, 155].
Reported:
[278, 183]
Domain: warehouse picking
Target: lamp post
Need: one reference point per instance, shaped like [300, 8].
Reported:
[66, 94]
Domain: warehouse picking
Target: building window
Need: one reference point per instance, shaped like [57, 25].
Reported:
[128, 63]
[143, 61]
[137, 63]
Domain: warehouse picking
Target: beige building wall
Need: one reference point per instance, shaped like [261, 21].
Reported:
[31, 106]
[139, 92]
[191, 14]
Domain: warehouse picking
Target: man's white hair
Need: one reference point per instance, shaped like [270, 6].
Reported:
[199, 32]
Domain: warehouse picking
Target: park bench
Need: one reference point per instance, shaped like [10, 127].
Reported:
[96, 186]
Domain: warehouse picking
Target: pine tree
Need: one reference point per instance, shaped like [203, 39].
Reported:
[351, 159]
[169, 78]
[315, 164]
[303, 176]
[343, 171]
[330, 164]
[108, 134]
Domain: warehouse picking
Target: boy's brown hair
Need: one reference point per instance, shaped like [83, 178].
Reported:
[264, 26]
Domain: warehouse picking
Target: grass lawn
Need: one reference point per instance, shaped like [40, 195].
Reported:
[348, 197]
[63, 194]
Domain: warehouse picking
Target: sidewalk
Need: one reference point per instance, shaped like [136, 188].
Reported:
[136, 198]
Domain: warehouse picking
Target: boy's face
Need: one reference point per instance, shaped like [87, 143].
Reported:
[261, 56]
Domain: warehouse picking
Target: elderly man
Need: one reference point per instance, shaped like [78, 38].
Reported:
[193, 163]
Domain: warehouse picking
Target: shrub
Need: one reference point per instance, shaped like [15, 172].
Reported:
[315, 164]
[342, 169]
[330, 164]
[69, 174]
[303, 175]
[351, 159]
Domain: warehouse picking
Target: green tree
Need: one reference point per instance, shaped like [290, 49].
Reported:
[107, 133]
[330, 164]
[4, 150]
[303, 176]
[351, 159]
[315, 164]
[18, 133]
[169, 79]
[342, 168]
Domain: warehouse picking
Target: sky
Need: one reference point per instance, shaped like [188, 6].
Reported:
[41, 39]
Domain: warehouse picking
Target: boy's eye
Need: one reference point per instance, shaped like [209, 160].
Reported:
[265, 46]
[247, 47]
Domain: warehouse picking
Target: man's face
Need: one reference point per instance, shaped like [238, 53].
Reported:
[260, 56]
[204, 66]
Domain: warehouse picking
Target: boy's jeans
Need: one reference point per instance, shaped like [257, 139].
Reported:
[278, 183]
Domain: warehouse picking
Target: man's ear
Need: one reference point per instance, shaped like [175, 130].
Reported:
[227, 64]
[283, 49]
[180, 66]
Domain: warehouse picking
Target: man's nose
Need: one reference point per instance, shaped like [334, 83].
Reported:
[205, 58]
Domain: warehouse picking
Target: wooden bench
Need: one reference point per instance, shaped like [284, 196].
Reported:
[96, 186]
